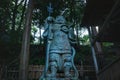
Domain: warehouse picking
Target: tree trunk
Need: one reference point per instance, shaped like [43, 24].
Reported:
[24, 57]
[40, 36]
[97, 44]
[22, 16]
[98, 49]
[93, 50]
[14, 15]
[77, 31]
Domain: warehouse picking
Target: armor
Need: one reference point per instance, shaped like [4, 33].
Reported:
[60, 53]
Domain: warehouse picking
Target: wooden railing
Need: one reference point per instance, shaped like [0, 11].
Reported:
[111, 71]
[3, 71]
[35, 71]
[0, 72]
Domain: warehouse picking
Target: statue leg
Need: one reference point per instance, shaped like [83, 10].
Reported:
[53, 71]
[53, 65]
[67, 65]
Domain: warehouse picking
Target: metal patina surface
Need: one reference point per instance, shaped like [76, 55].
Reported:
[59, 53]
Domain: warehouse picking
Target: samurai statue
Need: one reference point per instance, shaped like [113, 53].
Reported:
[60, 52]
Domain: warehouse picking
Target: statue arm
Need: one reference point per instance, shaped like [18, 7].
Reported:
[45, 33]
[48, 25]
[71, 36]
[48, 34]
[64, 28]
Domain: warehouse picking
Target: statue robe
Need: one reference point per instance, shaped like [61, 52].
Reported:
[60, 37]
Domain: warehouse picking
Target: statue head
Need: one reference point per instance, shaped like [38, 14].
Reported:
[49, 19]
[60, 20]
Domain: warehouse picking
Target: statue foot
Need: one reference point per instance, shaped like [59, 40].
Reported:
[51, 75]
[68, 75]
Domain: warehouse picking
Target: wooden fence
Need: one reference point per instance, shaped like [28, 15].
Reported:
[0, 72]
[111, 71]
[35, 71]
[3, 71]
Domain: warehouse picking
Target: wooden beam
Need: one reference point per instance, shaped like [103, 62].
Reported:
[24, 57]
[104, 27]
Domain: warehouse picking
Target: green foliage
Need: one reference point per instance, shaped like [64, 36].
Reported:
[82, 52]
[85, 40]
[12, 15]
[37, 61]
[107, 44]
[10, 19]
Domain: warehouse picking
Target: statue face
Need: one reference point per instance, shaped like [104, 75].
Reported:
[60, 20]
[50, 19]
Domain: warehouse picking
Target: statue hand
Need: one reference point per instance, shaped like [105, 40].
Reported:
[64, 28]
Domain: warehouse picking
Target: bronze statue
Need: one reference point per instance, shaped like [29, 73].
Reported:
[60, 52]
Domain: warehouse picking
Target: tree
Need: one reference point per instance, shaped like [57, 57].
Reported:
[12, 15]
[24, 57]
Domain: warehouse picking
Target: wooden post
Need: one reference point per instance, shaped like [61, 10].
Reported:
[24, 57]
[93, 51]
[0, 72]
[98, 49]
[97, 44]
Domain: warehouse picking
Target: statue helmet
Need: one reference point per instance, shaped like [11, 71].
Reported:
[50, 19]
[60, 20]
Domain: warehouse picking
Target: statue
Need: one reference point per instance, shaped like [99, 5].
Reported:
[60, 53]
